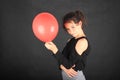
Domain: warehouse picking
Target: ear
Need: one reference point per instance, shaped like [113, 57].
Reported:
[80, 23]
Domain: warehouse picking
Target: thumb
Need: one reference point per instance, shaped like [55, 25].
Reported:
[73, 66]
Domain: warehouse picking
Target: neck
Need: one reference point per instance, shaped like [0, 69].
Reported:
[80, 34]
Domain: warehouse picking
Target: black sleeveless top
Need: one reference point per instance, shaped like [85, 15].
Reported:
[69, 56]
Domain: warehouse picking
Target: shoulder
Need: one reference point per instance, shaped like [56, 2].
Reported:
[81, 45]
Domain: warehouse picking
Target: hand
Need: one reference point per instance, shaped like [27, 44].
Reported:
[70, 72]
[51, 46]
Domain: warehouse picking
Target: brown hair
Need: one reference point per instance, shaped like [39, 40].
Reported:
[75, 17]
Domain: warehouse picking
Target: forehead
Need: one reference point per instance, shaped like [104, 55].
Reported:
[69, 24]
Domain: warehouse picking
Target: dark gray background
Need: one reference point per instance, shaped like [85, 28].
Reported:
[24, 57]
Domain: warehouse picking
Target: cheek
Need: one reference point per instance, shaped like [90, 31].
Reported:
[77, 30]
[68, 31]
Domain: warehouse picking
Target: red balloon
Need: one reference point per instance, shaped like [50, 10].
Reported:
[45, 27]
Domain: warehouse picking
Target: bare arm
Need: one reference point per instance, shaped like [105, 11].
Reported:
[70, 72]
[58, 55]
[51, 46]
[81, 46]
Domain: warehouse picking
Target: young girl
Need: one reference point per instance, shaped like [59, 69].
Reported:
[72, 59]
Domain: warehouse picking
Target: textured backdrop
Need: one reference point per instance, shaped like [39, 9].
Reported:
[24, 57]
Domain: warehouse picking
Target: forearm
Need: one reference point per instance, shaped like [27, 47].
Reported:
[62, 60]
[58, 55]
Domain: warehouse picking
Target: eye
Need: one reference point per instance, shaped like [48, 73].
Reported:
[67, 29]
[72, 27]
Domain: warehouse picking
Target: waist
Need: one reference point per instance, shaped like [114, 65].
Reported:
[79, 67]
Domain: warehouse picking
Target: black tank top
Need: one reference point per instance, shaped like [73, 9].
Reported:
[69, 56]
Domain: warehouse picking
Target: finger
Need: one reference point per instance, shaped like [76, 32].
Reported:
[73, 66]
[47, 46]
[48, 43]
[73, 72]
[69, 75]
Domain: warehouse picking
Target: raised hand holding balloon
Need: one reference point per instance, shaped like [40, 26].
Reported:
[45, 27]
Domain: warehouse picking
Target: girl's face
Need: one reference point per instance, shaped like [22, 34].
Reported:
[73, 29]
